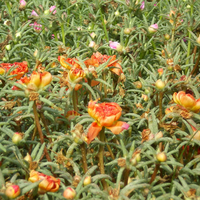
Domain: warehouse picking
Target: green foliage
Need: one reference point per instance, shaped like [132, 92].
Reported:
[55, 137]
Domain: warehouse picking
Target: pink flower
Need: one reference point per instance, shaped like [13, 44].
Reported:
[153, 28]
[53, 9]
[22, 3]
[113, 45]
[142, 5]
[33, 13]
[36, 26]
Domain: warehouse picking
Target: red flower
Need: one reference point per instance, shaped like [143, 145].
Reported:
[105, 115]
[48, 183]
[20, 69]
[68, 62]
[98, 59]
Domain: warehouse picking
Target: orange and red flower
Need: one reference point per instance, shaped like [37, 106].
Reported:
[20, 69]
[98, 59]
[48, 183]
[105, 115]
[187, 101]
[35, 81]
[68, 63]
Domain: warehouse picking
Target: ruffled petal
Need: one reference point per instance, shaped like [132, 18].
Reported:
[118, 127]
[93, 132]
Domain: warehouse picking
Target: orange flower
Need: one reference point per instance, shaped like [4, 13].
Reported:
[71, 114]
[68, 62]
[75, 75]
[48, 183]
[35, 81]
[20, 69]
[105, 115]
[187, 101]
[98, 59]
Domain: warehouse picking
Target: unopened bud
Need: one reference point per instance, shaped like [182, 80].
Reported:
[127, 31]
[198, 40]
[145, 97]
[12, 191]
[117, 13]
[160, 84]
[46, 12]
[17, 137]
[28, 158]
[159, 135]
[8, 47]
[87, 180]
[167, 36]
[161, 157]
[138, 84]
[69, 193]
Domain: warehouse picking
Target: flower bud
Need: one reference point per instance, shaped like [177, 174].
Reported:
[138, 84]
[161, 157]
[167, 36]
[17, 137]
[18, 34]
[160, 84]
[134, 161]
[198, 40]
[159, 135]
[87, 180]
[28, 158]
[8, 47]
[69, 193]
[117, 13]
[46, 12]
[145, 97]
[12, 191]
[153, 28]
[138, 157]
[22, 5]
[92, 44]
[127, 31]
[160, 71]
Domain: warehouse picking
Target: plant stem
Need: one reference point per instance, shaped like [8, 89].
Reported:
[40, 130]
[75, 100]
[196, 65]
[45, 125]
[63, 33]
[155, 173]
[126, 176]
[189, 36]
[101, 161]
[84, 160]
[160, 105]
[104, 85]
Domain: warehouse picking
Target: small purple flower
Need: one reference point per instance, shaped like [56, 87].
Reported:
[113, 45]
[142, 5]
[53, 9]
[33, 13]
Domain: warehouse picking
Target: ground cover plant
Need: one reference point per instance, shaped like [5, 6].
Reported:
[99, 99]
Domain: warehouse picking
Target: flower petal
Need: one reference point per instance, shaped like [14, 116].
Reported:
[93, 132]
[118, 127]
